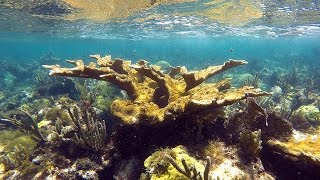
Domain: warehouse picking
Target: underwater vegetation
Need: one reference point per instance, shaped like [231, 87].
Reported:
[141, 121]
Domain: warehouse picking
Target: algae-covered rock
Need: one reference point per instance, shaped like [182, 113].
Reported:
[250, 142]
[297, 158]
[15, 160]
[10, 139]
[44, 123]
[307, 113]
[55, 113]
[159, 167]
[2, 168]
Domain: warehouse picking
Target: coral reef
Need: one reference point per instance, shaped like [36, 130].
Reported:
[156, 96]
[53, 86]
[177, 124]
[256, 118]
[190, 171]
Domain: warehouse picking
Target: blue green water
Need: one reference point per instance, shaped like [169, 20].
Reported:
[190, 51]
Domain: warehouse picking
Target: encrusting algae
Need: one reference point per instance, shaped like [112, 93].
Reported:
[301, 143]
[157, 96]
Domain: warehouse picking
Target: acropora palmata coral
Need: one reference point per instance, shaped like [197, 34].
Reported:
[156, 96]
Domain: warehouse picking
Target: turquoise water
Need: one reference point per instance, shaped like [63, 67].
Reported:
[198, 51]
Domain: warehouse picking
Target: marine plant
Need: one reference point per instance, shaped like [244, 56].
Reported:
[86, 94]
[53, 86]
[175, 163]
[250, 143]
[190, 171]
[24, 121]
[216, 150]
[54, 114]
[156, 96]
[252, 82]
[15, 158]
[91, 131]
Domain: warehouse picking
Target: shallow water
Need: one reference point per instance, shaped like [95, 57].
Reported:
[280, 40]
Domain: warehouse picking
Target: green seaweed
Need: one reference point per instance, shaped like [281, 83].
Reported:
[24, 121]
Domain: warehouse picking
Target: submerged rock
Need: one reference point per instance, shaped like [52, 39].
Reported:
[159, 166]
[298, 158]
[307, 113]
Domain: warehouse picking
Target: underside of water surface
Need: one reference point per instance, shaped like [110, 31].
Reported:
[159, 89]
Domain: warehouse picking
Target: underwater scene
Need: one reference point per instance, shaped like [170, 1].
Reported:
[159, 89]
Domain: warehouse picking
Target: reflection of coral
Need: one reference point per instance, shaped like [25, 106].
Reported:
[232, 12]
[157, 96]
[98, 10]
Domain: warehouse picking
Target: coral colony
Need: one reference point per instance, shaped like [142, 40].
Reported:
[167, 123]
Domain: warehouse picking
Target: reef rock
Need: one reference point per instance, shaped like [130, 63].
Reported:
[157, 96]
[307, 113]
[178, 163]
[297, 158]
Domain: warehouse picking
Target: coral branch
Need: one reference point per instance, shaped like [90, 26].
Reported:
[193, 79]
[158, 96]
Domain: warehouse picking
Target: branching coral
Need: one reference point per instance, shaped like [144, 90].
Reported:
[157, 96]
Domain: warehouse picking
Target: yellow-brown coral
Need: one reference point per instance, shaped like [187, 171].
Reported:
[157, 96]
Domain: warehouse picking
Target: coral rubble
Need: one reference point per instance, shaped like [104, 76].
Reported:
[157, 96]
